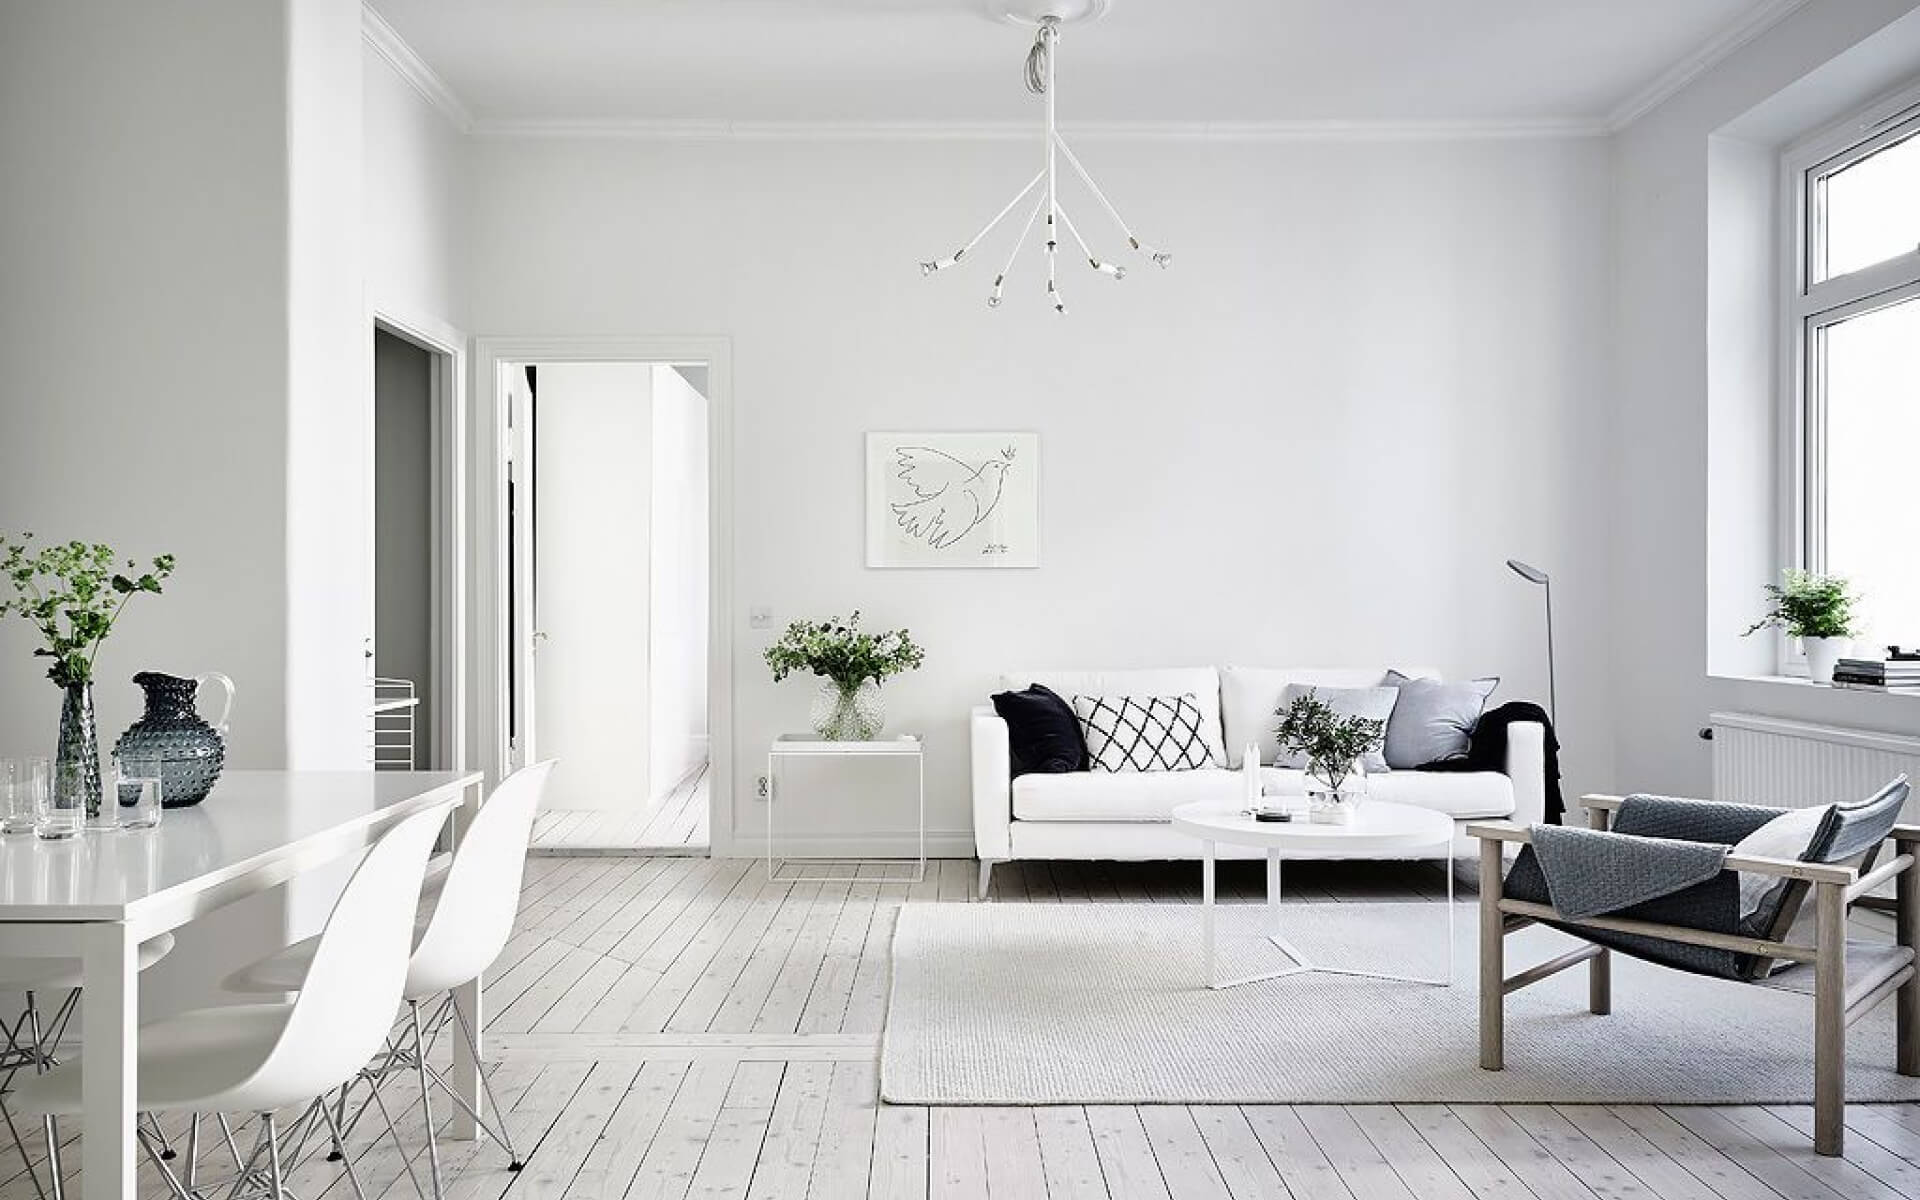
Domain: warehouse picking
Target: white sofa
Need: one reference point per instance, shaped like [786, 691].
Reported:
[1114, 815]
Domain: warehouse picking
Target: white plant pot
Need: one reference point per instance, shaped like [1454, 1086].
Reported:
[1822, 654]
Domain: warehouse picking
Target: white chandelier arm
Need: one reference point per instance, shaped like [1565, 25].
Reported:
[1049, 37]
[1033, 215]
[928, 268]
[1160, 257]
[1105, 268]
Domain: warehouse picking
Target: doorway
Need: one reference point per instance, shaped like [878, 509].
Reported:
[416, 709]
[609, 566]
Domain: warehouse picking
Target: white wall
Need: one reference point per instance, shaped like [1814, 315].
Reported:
[414, 207]
[593, 463]
[678, 618]
[1670, 624]
[1374, 372]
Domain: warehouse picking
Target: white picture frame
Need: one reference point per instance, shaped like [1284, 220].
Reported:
[953, 500]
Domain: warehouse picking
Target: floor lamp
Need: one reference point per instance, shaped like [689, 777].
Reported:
[1537, 576]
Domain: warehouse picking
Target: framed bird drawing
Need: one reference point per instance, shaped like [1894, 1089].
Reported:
[953, 500]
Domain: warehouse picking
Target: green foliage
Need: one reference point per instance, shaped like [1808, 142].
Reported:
[840, 651]
[1808, 605]
[72, 596]
[1330, 741]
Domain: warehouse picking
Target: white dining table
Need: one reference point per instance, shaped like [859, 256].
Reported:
[96, 897]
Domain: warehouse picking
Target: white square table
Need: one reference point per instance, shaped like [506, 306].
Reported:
[98, 896]
[804, 745]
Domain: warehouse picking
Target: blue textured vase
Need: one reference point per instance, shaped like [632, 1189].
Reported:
[190, 751]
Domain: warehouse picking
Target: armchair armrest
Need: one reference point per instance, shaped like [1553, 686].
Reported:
[1780, 868]
[992, 786]
[1526, 770]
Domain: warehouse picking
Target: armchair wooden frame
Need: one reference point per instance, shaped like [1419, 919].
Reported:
[1836, 1004]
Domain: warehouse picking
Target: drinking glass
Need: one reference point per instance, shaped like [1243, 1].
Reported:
[138, 785]
[63, 806]
[22, 782]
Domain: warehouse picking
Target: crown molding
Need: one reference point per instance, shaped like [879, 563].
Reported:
[388, 44]
[1710, 54]
[953, 131]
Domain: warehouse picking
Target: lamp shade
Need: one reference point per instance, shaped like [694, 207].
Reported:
[1529, 573]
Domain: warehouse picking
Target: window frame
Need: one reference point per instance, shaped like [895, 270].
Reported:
[1811, 303]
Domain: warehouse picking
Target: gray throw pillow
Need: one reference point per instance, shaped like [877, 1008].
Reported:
[1433, 720]
[1375, 704]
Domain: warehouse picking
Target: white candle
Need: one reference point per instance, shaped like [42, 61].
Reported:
[1250, 774]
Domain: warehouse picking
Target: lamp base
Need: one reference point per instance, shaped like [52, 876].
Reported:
[1029, 12]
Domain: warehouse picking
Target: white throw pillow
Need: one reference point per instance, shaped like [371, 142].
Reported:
[1787, 836]
[1143, 733]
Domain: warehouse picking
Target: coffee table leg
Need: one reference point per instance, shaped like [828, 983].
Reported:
[1273, 889]
[1206, 907]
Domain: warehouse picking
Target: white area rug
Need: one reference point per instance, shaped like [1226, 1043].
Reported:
[1103, 1004]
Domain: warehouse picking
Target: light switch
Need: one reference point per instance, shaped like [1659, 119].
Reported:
[760, 616]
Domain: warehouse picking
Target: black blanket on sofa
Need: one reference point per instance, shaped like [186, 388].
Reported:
[1487, 750]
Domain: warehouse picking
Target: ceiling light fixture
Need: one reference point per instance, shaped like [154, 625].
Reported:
[1046, 17]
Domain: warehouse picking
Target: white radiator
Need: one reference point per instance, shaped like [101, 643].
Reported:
[1792, 764]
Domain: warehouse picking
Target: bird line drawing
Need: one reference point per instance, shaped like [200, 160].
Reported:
[946, 497]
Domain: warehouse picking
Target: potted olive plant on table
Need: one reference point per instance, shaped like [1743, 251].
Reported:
[1333, 746]
[1817, 609]
[72, 594]
[851, 664]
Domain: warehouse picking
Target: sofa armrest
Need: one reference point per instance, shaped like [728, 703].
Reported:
[992, 786]
[1527, 770]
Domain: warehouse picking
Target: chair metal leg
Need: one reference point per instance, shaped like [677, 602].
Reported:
[426, 1097]
[333, 1128]
[1493, 960]
[1907, 934]
[1830, 1020]
[277, 1181]
[393, 1131]
[498, 1127]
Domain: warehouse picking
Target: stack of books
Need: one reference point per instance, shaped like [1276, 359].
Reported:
[1870, 674]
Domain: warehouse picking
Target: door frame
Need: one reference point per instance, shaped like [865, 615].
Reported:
[448, 619]
[492, 446]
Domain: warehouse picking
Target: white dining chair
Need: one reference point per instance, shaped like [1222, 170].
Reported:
[33, 1039]
[260, 1058]
[457, 941]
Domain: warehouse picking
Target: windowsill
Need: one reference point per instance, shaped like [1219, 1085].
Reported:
[1802, 684]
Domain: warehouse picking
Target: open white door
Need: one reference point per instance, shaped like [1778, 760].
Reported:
[521, 627]
[590, 495]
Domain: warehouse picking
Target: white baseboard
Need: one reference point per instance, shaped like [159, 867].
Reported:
[940, 844]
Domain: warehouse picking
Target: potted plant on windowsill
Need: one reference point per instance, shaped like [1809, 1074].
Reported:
[1333, 746]
[851, 665]
[1817, 609]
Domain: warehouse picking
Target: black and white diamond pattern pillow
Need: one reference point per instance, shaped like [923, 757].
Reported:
[1143, 733]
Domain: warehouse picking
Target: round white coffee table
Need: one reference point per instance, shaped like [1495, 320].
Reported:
[1378, 830]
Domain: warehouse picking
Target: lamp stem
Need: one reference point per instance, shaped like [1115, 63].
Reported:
[1553, 699]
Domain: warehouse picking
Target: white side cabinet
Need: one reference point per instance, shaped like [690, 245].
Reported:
[851, 755]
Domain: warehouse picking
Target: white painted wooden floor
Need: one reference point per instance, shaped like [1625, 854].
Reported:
[678, 1027]
[676, 825]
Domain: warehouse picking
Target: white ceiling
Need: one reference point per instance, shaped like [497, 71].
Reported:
[1151, 61]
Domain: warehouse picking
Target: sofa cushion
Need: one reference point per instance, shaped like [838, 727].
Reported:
[1203, 682]
[1143, 733]
[1462, 795]
[1108, 796]
[1366, 703]
[1250, 699]
[1043, 735]
[1099, 796]
[1432, 720]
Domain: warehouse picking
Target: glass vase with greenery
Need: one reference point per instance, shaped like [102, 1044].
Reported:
[1331, 743]
[852, 663]
[73, 595]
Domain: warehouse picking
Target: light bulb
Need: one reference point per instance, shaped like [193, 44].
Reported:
[928, 268]
[1161, 258]
[1113, 269]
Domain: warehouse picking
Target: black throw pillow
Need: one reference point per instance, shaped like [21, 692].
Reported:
[1043, 735]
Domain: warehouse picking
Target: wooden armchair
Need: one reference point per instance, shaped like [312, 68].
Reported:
[1748, 956]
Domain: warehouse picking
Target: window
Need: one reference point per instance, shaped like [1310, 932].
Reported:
[1853, 336]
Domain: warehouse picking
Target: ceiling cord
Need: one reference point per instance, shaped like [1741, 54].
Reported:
[1041, 52]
